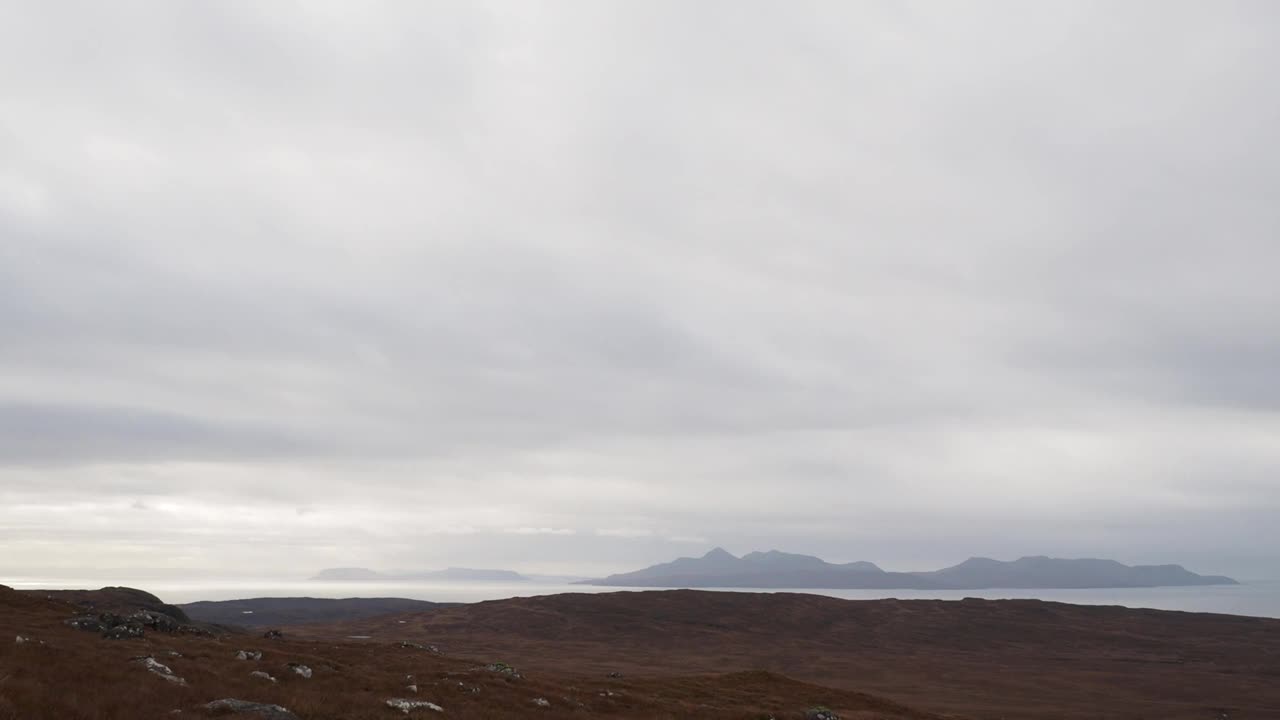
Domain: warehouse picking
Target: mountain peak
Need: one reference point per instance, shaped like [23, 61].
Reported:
[718, 553]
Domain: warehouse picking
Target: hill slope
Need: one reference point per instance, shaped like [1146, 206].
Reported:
[56, 671]
[984, 658]
[262, 612]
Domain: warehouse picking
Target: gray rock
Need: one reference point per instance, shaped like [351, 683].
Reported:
[123, 631]
[820, 713]
[415, 646]
[273, 635]
[406, 706]
[262, 675]
[88, 623]
[267, 711]
[159, 668]
[248, 654]
[301, 669]
[503, 669]
[542, 702]
[154, 621]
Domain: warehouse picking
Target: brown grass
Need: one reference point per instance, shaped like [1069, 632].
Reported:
[980, 658]
[77, 675]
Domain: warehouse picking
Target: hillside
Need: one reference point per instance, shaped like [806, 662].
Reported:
[55, 671]
[263, 612]
[982, 658]
[720, 569]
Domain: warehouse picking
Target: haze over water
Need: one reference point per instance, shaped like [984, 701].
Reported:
[1256, 598]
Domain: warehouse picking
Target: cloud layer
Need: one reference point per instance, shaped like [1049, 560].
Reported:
[569, 287]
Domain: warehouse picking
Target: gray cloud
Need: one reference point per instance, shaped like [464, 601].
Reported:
[567, 286]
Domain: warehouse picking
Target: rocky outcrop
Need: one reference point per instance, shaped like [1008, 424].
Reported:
[248, 654]
[135, 625]
[261, 675]
[301, 669]
[415, 646]
[152, 620]
[266, 711]
[503, 669]
[159, 668]
[123, 631]
[407, 706]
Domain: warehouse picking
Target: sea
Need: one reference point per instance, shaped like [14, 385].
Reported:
[1260, 598]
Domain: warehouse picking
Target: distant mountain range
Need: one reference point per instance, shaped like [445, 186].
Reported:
[453, 574]
[775, 569]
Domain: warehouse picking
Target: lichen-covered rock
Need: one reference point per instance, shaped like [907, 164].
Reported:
[248, 654]
[407, 706]
[159, 668]
[415, 646]
[123, 631]
[88, 623]
[265, 710]
[154, 621]
[301, 669]
[503, 669]
[262, 675]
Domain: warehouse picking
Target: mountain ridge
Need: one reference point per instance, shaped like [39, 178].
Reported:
[777, 569]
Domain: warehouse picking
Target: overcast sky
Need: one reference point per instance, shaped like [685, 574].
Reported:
[582, 286]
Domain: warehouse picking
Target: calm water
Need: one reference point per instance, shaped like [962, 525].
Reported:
[1260, 598]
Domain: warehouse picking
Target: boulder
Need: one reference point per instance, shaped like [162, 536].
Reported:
[194, 630]
[265, 710]
[503, 669]
[248, 654]
[159, 668]
[273, 635]
[261, 675]
[301, 669]
[820, 713]
[123, 631]
[153, 620]
[88, 623]
[406, 706]
[415, 646]
[542, 702]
